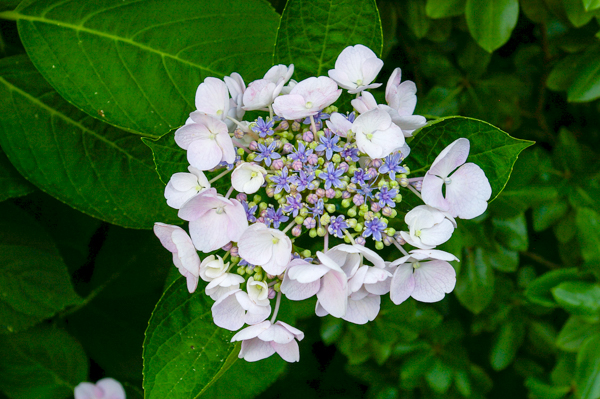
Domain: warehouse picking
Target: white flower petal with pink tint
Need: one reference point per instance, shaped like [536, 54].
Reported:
[212, 267]
[262, 340]
[363, 309]
[248, 177]
[106, 388]
[212, 98]
[260, 94]
[333, 293]
[279, 73]
[364, 103]
[339, 124]
[424, 274]
[183, 186]
[429, 227]
[235, 308]
[185, 257]
[402, 99]
[355, 68]
[214, 220]
[376, 135]
[266, 247]
[302, 279]
[307, 98]
[467, 189]
[223, 284]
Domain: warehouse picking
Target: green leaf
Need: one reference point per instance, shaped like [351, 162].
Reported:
[579, 298]
[588, 369]
[549, 213]
[541, 390]
[184, 351]
[445, 8]
[491, 148]
[538, 291]
[97, 169]
[506, 343]
[535, 10]
[137, 64]
[491, 22]
[576, 12]
[512, 233]
[586, 85]
[43, 362]
[313, 33]
[413, 12]
[580, 68]
[590, 5]
[574, 332]
[169, 158]
[34, 281]
[439, 377]
[475, 285]
[414, 367]
[588, 233]
[12, 183]
[502, 259]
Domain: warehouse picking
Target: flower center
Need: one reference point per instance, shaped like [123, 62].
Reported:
[275, 240]
[308, 105]
[418, 233]
[219, 210]
[416, 265]
[447, 180]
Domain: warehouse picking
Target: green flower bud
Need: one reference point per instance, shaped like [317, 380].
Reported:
[320, 133]
[394, 213]
[262, 206]
[358, 228]
[346, 203]
[335, 158]
[250, 157]
[379, 245]
[331, 109]
[338, 193]
[394, 184]
[240, 151]
[321, 161]
[312, 233]
[351, 223]
[347, 239]
[382, 183]
[398, 198]
[325, 219]
[407, 169]
[390, 231]
[321, 231]
[257, 198]
[241, 270]
[277, 287]
[278, 196]
[313, 145]
[299, 219]
[306, 253]
[330, 208]
[303, 212]
[384, 220]
[352, 212]
[364, 208]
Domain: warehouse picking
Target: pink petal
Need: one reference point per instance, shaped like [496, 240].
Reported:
[164, 232]
[357, 280]
[189, 133]
[292, 106]
[255, 349]
[209, 232]
[333, 295]
[391, 88]
[255, 244]
[212, 96]
[297, 291]
[431, 192]
[204, 154]
[228, 313]
[226, 144]
[403, 283]
[238, 223]
[288, 352]
[112, 388]
[87, 390]
[251, 331]
[299, 335]
[364, 310]
[469, 191]
[276, 333]
[370, 69]
[433, 280]
[450, 158]
[307, 273]
[437, 235]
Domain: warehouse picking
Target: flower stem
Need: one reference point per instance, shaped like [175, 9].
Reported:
[277, 303]
[326, 242]
[217, 177]
[400, 248]
[347, 233]
[415, 179]
[271, 112]
[313, 126]
[289, 226]
[414, 190]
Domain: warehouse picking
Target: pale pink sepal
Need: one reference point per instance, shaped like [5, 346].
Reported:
[106, 388]
[269, 248]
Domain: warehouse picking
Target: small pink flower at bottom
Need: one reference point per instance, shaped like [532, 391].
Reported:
[262, 340]
[424, 275]
[106, 388]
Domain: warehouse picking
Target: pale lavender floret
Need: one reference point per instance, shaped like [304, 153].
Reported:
[366, 190]
[351, 152]
[276, 217]
[318, 117]
[374, 227]
[318, 209]
[428, 227]
[360, 176]
[267, 247]
[329, 145]
[307, 98]
[263, 128]
[267, 154]
[106, 388]
[249, 211]
[332, 176]
[391, 165]
[355, 68]
[310, 223]
[303, 180]
[301, 154]
[263, 340]
[337, 225]
[236, 308]
[294, 204]
[386, 197]
[283, 181]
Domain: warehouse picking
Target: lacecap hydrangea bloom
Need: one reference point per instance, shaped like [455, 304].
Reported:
[307, 174]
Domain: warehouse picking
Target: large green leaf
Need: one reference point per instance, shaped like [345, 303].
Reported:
[137, 63]
[12, 183]
[579, 298]
[539, 290]
[491, 22]
[95, 168]
[444, 8]
[475, 284]
[184, 351]
[34, 281]
[588, 369]
[588, 233]
[169, 158]
[313, 33]
[44, 362]
[491, 148]
[507, 342]
[574, 333]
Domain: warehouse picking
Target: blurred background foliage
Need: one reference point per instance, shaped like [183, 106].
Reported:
[524, 319]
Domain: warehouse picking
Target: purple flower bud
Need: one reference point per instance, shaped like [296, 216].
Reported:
[418, 185]
[261, 219]
[376, 163]
[387, 240]
[312, 198]
[375, 207]
[297, 165]
[346, 195]
[272, 293]
[264, 212]
[288, 147]
[330, 193]
[386, 211]
[296, 126]
[227, 246]
[403, 182]
[372, 172]
[320, 192]
[399, 238]
[278, 164]
[344, 166]
[253, 146]
[238, 133]
[270, 191]
[358, 199]
[234, 251]
[283, 125]
[310, 223]
[308, 136]
[313, 159]
[241, 197]
[360, 240]
[296, 231]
